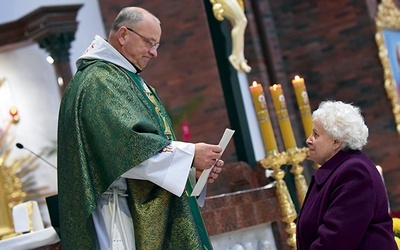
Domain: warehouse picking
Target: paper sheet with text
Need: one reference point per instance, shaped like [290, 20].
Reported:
[226, 137]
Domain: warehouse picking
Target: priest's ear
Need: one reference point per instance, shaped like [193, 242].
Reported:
[118, 38]
[122, 35]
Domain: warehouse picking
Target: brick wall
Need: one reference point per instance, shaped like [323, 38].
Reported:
[332, 45]
[329, 43]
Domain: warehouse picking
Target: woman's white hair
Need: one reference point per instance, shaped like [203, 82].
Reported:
[343, 122]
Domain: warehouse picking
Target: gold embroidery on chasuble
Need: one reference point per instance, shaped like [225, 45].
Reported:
[155, 103]
[165, 221]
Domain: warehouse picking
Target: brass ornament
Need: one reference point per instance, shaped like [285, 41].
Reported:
[17, 183]
[10, 188]
[295, 157]
[288, 212]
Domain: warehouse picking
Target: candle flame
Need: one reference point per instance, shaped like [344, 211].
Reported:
[254, 83]
[297, 77]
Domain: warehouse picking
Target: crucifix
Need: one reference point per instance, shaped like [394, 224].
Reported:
[233, 10]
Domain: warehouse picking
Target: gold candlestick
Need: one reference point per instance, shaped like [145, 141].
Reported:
[288, 212]
[295, 156]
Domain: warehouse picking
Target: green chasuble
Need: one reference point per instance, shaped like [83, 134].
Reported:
[108, 125]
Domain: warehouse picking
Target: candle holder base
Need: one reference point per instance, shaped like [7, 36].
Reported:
[288, 212]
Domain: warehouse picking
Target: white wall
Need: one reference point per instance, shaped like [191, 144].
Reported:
[31, 84]
[89, 18]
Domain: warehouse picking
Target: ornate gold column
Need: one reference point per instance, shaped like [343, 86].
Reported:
[6, 223]
[296, 156]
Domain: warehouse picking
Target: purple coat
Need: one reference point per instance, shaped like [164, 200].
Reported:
[346, 207]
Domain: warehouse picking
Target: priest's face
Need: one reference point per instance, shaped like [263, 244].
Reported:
[142, 42]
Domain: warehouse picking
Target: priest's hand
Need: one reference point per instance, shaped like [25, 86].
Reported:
[214, 172]
[206, 156]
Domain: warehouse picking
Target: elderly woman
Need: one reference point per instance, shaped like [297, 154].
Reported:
[346, 206]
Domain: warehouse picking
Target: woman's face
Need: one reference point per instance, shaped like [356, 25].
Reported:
[322, 146]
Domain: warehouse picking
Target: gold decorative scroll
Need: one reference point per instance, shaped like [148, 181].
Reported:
[11, 187]
[388, 19]
[6, 223]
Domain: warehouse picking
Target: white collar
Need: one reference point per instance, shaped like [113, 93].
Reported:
[101, 49]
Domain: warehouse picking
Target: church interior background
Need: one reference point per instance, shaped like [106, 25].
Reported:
[343, 50]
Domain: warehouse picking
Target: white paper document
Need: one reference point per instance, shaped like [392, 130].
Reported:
[204, 176]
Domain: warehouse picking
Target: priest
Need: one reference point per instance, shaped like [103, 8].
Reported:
[124, 182]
